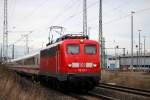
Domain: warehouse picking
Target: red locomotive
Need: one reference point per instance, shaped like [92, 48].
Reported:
[72, 61]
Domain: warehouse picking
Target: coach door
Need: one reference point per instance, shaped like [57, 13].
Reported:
[57, 60]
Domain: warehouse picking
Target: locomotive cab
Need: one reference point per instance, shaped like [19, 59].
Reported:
[81, 57]
[81, 62]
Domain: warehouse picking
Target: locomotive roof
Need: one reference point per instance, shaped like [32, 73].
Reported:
[52, 45]
[60, 41]
[69, 36]
[72, 36]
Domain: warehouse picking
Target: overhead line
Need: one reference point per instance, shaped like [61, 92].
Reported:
[117, 19]
[12, 6]
[114, 20]
[136, 12]
[122, 17]
[34, 10]
[13, 9]
[74, 15]
[142, 10]
[119, 6]
[30, 32]
[115, 8]
[81, 11]
[58, 15]
[63, 11]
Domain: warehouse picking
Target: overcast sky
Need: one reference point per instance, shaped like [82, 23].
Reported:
[38, 15]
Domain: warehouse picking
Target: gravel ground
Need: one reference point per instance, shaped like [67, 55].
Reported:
[130, 79]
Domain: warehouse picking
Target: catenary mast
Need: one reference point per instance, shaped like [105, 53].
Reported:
[85, 17]
[5, 33]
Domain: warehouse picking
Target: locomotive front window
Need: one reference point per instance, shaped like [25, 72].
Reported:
[73, 49]
[90, 49]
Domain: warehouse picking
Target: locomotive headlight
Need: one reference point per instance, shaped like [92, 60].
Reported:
[69, 65]
[94, 65]
[81, 41]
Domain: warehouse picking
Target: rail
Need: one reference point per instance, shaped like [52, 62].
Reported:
[126, 89]
[103, 97]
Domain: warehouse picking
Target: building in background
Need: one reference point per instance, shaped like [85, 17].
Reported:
[123, 62]
[113, 63]
[139, 62]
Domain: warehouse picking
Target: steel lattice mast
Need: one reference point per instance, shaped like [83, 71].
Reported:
[100, 32]
[84, 17]
[5, 33]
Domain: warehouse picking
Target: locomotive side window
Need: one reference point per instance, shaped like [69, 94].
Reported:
[90, 49]
[52, 51]
[73, 49]
[49, 52]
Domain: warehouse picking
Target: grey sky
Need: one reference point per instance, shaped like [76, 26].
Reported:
[38, 15]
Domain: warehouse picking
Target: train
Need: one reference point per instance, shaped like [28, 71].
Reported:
[72, 61]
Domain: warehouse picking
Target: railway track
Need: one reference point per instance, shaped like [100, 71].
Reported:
[135, 91]
[90, 96]
[95, 95]
[68, 95]
[100, 96]
[128, 90]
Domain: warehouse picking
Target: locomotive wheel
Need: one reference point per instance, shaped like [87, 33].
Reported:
[62, 86]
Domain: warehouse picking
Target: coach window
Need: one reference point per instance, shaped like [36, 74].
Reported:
[73, 49]
[90, 49]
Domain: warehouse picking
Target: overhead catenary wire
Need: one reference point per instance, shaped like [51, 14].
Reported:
[35, 9]
[114, 20]
[125, 16]
[13, 8]
[20, 39]
[120, 18]
[93, 4]
[115, 8]
[76, 14]
[118, 7]
[64, 11]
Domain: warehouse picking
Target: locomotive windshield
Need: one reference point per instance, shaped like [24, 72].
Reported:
[90, 49]
[73, 49]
